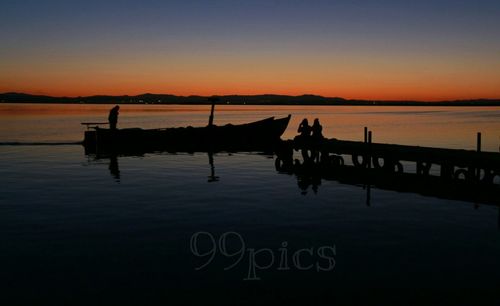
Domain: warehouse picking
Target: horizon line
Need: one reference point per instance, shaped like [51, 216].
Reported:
[249, 95]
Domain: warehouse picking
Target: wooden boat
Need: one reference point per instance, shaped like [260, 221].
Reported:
[254, 136]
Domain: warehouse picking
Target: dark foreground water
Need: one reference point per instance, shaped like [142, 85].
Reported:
[156, 228]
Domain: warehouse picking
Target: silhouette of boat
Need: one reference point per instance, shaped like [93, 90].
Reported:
[258, 135]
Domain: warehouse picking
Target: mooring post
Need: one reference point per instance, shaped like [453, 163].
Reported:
[369, 150]
[211, 118]
[366, 135]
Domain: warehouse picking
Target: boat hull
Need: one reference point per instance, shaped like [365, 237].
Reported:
[255, 136]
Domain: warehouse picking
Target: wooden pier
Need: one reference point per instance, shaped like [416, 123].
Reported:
[448, 173]
[468, 165]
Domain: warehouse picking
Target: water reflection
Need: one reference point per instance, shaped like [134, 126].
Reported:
[114, 169]
[212, 177]
[310, 173]
[310, 176]
[450, 127]
[306, 181]
[114, 166]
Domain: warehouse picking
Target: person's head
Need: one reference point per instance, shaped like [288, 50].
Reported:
[305, 122]
[316, 121]
[117, 107]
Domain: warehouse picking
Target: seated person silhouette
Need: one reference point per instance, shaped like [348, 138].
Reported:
[304, 138]
[317, 138]
[317, 130]
[304, 129]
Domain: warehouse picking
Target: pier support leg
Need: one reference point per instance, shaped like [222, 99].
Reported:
[478, 145]
[489, 176]
[423, 168]
[447, 171]
[365, 161]
[306, 157]
[472, 173]
[284, 156]
[369, 157]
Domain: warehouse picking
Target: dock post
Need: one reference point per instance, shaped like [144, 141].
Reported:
[447, 170]
[366, 135]
[478, 142]
[213, 99]
[369, 157]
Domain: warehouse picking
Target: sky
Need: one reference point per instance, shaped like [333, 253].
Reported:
[384, 49]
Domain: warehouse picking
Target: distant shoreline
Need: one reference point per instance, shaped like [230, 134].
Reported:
[271, 100]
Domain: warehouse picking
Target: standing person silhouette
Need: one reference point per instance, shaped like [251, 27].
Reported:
[113, 117]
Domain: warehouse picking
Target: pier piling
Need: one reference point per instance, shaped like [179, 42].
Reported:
[478, 147]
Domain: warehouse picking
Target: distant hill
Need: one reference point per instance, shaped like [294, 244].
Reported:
[149, 98]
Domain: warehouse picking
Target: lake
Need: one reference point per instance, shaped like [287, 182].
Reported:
[140, 229]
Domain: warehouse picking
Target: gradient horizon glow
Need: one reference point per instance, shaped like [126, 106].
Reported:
[392, 50]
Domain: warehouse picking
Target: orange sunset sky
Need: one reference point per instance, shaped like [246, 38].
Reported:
[393, 50]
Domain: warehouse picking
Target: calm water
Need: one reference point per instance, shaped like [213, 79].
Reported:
[77, 228]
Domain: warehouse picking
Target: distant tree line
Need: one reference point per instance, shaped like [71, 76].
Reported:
[230, 99]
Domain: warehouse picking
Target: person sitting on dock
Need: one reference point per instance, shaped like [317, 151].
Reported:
[304, 129]
[303, 140]
[113, 117]
[317, 139]
[317, 129]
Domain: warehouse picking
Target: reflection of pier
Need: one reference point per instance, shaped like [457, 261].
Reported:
[432, 186]
[454, 174]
